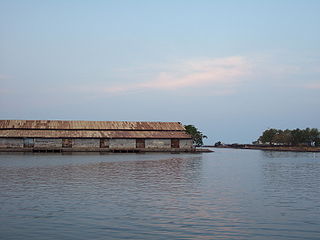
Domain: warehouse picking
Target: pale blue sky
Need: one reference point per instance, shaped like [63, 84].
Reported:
[232, 68]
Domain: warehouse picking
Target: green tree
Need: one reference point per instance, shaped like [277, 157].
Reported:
[308, 136]
[196, 135]
[298, 136]
[314, 136]
[268, 136]
[287, 137]
[282, 137]
[278, 137]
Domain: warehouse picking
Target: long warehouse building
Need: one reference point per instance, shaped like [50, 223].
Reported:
[93, 136]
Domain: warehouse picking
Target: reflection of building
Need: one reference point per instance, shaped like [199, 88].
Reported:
[104, 136]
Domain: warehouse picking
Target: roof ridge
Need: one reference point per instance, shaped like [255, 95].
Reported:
[92, 125]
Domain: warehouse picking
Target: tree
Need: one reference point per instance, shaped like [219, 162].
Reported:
[314, 136]
[282, 137]
[278, 137]
[196, 135]
[296, 137]
[268, 136]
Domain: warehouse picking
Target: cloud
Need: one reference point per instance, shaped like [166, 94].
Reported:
[221, 75]
[5, 77]
[312, 85]
[3, 89]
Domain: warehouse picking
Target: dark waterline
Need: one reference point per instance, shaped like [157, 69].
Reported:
[228, 194]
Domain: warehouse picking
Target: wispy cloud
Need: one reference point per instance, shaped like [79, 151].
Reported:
[3, 88]
[312, 85]
[222, 75]
[4, 77]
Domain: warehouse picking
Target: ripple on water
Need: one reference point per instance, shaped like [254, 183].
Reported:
[229, 194]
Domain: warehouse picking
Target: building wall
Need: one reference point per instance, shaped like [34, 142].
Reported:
[122, 143]
[11, 143]
[158, 143]
[185, 143]
[50, 143]
[47, 143]
[86, 143]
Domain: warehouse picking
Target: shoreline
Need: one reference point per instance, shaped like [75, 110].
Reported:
[272, 148]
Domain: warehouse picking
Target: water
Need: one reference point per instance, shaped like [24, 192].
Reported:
[228, 194]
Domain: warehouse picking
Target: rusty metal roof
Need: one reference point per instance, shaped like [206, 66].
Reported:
[90, 125]
[92, 134]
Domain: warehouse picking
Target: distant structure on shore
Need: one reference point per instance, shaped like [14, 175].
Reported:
[93, 136]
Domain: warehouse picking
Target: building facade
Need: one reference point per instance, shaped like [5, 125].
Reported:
[93, 136]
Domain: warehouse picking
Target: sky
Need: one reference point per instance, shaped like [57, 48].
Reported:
[231, 68]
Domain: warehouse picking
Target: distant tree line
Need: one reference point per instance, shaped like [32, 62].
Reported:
[296, 137]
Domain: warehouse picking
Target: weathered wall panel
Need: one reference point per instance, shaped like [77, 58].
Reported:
[28, 142]
[67, 143]
[86, 143]
[11, 143]
[158, 143]
[140, 143]
[47, 143]
[122, 143]
[175, 143]
[104, 143]
[186, 143]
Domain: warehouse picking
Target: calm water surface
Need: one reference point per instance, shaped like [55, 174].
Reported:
[228, 194]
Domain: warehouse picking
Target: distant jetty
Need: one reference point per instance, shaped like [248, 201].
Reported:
[203, 150]
[271, 147]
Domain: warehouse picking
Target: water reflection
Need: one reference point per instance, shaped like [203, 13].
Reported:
[291, 183]
[163, 173]
[223, 195]
[293, 155]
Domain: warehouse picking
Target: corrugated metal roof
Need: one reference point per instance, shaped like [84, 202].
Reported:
[93, 134]
[90, 125]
